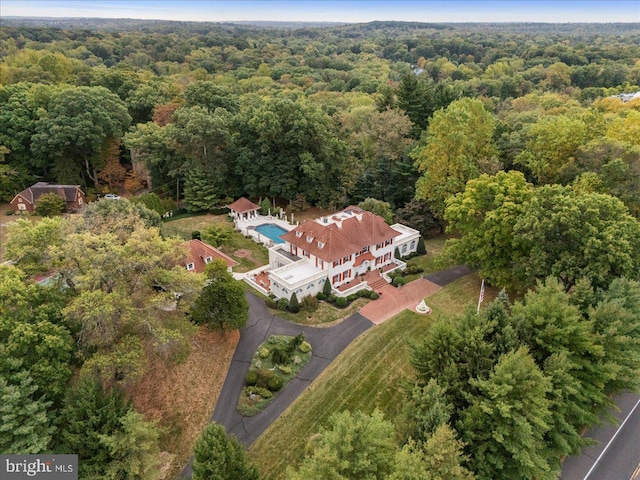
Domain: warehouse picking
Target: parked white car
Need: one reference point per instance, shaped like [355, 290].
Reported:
[112, 196]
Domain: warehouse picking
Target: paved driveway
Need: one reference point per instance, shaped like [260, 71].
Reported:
[394, 300]
[327, 343]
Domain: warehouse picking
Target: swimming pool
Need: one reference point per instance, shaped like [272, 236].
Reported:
[271, 231]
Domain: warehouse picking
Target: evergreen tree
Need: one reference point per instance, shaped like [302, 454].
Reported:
[425, 410]
[89, 413]
[24, 426]
[294, 305]
[504, 426]
[326, 289]
[133, 448]
[200, 194]
[219, 457]
[354, 446]
[439, 458]
[422, 249]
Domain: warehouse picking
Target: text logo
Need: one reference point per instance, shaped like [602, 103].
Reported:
[45, 467]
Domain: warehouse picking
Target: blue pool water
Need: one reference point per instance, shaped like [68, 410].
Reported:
[271, 231]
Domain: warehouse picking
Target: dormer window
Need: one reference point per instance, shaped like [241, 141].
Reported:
[208, 260]
[298, 234]
[320, 244]
[190, 266]
[309, 239]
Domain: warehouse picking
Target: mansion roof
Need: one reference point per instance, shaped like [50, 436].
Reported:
[344, 234]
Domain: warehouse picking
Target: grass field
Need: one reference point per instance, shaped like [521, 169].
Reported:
[185, 226]
[324, 316]
[368, 374]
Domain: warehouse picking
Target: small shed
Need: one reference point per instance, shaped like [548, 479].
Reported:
[243, 209]
[25, 201]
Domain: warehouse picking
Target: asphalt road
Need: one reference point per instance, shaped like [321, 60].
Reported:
[617, 454]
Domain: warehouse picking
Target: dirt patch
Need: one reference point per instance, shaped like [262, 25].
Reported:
[242, 253]
[182, 397]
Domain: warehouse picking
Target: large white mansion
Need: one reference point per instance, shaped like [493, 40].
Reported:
[341, 247]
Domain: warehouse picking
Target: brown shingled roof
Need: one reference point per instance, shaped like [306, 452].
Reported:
[31, 194]
[339, 242]
[243, 205]
[198, 251]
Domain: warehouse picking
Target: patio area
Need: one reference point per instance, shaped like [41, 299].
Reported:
[248, 227]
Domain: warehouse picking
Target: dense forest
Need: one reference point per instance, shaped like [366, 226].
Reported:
[520, 140]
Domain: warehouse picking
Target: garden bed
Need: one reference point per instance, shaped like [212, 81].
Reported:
[274, 364]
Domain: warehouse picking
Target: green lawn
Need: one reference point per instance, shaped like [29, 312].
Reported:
[184, 226]
[324, 315]
[433, 261]
[368, 374]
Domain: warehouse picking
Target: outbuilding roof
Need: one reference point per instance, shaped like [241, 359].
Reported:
[243, 205]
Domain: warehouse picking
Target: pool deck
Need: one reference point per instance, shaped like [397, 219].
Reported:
[247, 227]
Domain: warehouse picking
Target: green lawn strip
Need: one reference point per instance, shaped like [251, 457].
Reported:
[183, 228]
[460, 294]
[324, 314]
[368, 374]
[256, 396]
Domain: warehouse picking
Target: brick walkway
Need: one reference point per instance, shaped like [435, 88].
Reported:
[394, 300]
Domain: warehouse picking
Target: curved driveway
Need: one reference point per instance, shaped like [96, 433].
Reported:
[327, 343]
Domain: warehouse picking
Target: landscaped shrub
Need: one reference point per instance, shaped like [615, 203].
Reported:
[304, 347]
[280, 356]
[264, 352]
[275, 383]
[195, 235]
[413, 270]
[295, 342]
[396, 253]
[352, 297]
[263, 392]
[283, 304]
[296, 360]
[294, 305]
[341, 302]
[362, 293]
[326, 289]
[422, 249]
[331, 298]
[9, 212]
[374, 296]
[321, 296]
[398, 281]
[271, 302]
[264, 375]
[284, 369]
[309, 303]
[251, 378]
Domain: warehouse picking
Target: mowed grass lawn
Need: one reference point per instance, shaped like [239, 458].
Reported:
[368, 374]
[183, 228]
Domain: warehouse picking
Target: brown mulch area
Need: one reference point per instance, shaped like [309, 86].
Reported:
[182, 397]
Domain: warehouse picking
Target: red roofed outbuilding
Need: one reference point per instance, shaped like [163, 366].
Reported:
[243, 209]
[200, 254]
[25, 201]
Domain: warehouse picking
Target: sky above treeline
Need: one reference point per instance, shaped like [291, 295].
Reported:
[350, 11]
